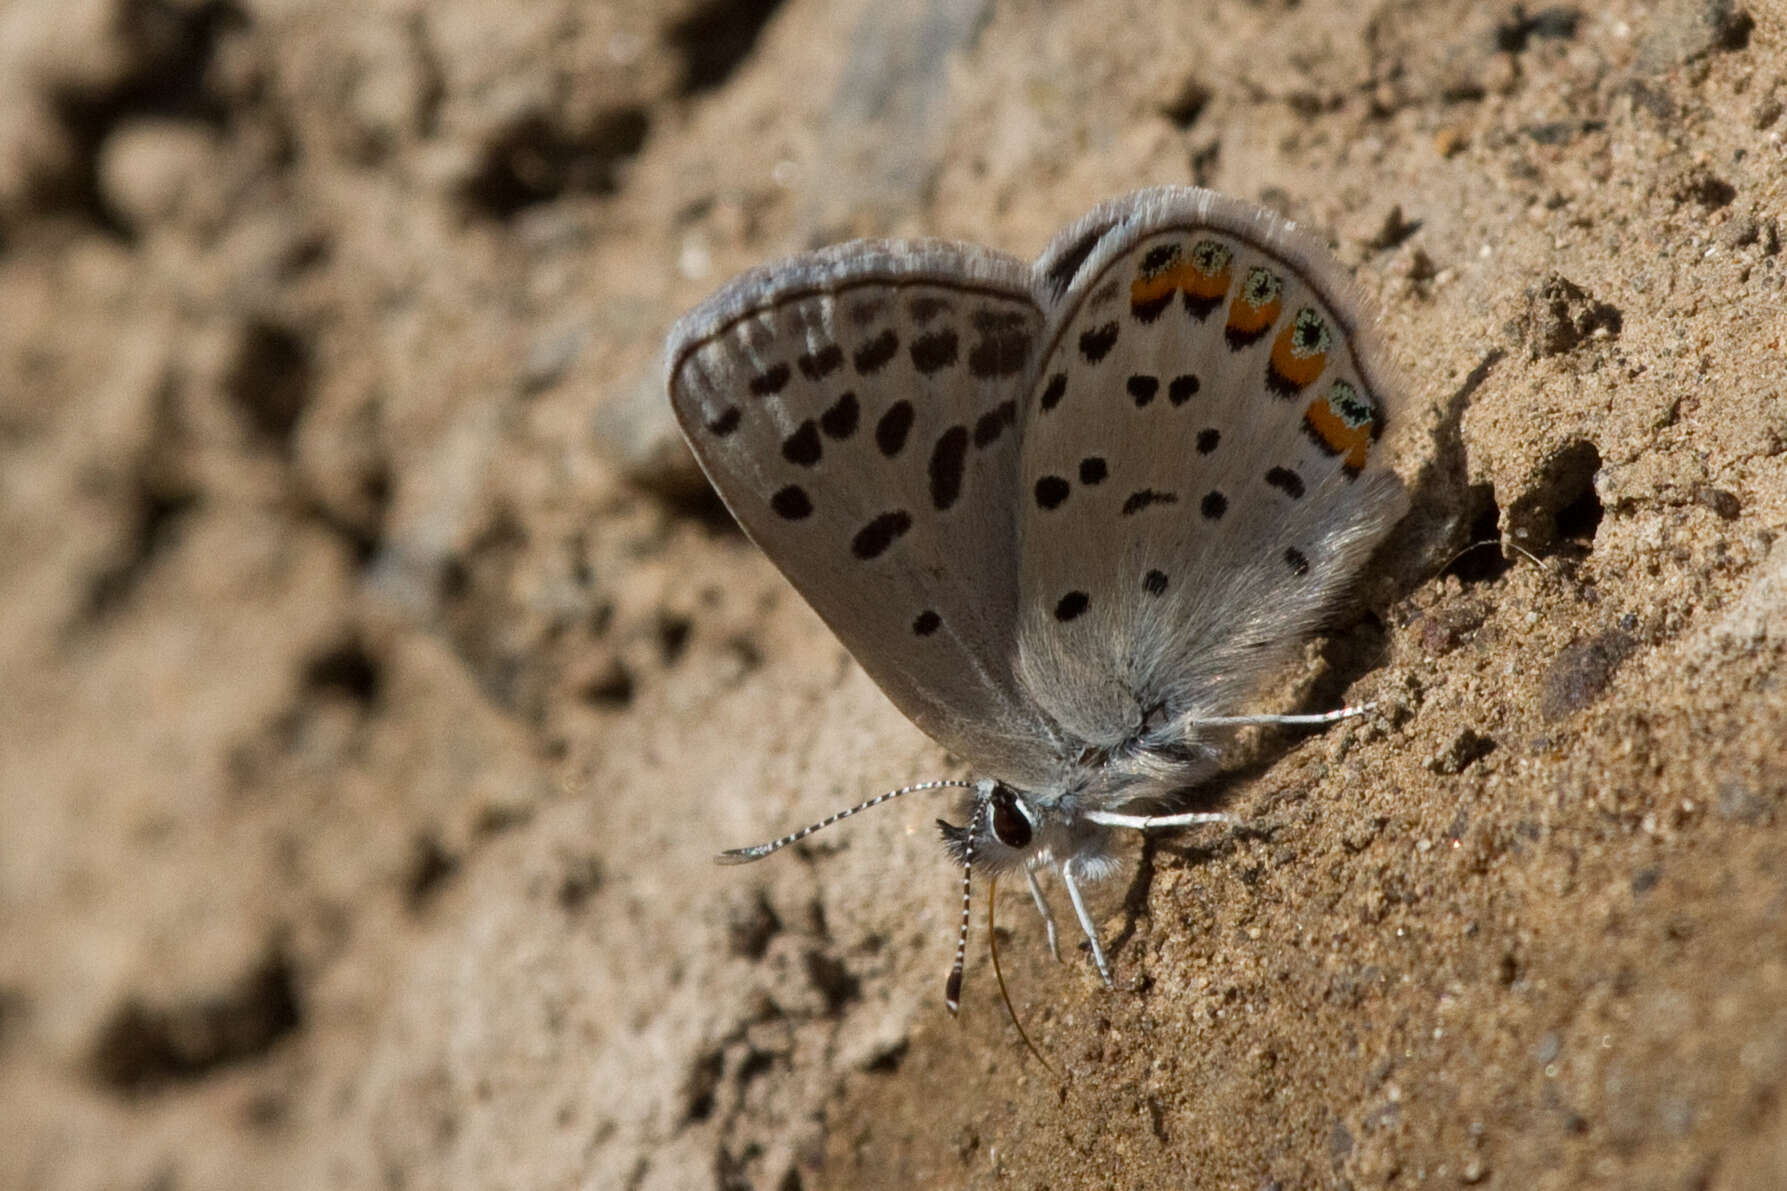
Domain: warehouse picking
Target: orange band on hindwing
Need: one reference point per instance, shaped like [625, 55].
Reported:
[1299, 354]
[1343, 423]
[1254, 309]
[1201, 274]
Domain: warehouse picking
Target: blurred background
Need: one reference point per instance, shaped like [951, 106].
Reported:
[378, 676]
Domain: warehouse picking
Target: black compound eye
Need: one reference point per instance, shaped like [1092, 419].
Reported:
[1010, 827]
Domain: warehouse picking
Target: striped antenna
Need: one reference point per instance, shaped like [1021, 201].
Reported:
[952, 988]
[759, 851]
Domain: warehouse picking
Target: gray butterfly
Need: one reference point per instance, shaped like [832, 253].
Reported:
[1069, 516]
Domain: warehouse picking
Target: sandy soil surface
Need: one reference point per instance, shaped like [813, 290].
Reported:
[379, 679]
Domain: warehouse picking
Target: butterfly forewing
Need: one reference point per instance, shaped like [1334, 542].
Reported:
[1200, 476]
[858, 411]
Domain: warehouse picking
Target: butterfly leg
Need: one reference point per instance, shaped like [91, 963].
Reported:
[1151, 822]
[1242, 721]
[1048, 915]
[1079, 909]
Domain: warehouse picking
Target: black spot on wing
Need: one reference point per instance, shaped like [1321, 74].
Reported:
[1154, 583]
[1200, 307]
[770, 380]
[1072, 605]
[1309, 333]
[1214, 505]
[867, 311]
[1093, 470]
[873, 539]
[840, 420]
[1051, 491]
[822, 363]
[872, 356]
[1286, 481]
[894, 426]
[1295, 559]
[926, 623]
[724, 422]
[989, 319]
[1159, 257]
[1097, 343]
[1142, 388]
[1239, 340]
[994, 423]
[926, 307]
[1056, 390]
[1061, 273]
[1209, 439]
[1150, 309]
[1279, 383]
[792, 503]
[947, 464]
[1182, 389]
[1147, 498]
[934, 351]
[1320, 440]
[802, 447]
[1004, 344]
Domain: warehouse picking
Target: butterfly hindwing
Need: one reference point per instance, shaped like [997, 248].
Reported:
[1200, 476]
[857, 409]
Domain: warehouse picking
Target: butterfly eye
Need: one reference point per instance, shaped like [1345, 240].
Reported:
[1010, 827]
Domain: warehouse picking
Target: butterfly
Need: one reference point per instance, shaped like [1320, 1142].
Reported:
[1072, 516]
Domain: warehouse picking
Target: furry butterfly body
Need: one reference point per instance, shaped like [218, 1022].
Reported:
[1071, 515]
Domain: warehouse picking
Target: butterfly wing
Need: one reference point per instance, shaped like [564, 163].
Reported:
[1199, 478]
[856, 409]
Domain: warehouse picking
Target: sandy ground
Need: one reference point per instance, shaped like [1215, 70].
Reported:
[379, 679]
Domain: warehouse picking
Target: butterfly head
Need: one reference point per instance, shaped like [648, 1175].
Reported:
[1002, 828]
[1010, 829]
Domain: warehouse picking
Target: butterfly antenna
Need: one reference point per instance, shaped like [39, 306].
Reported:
[999, 975]
[759, 851]
[952, 988]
